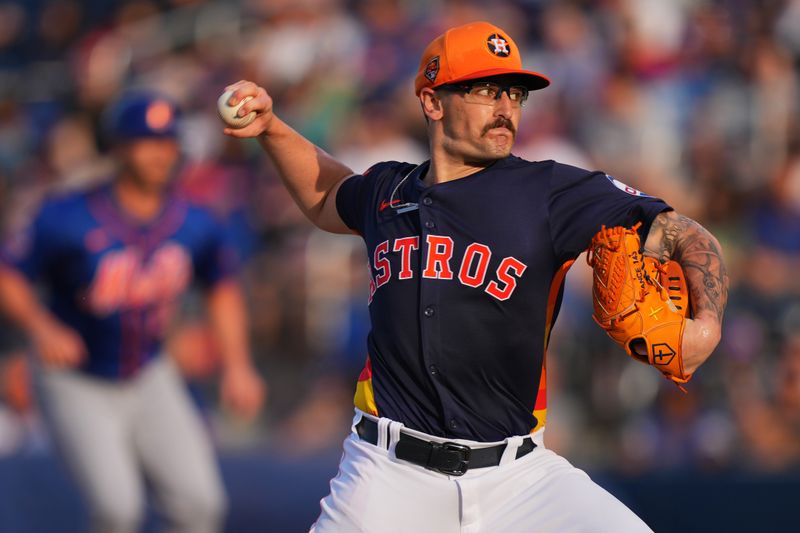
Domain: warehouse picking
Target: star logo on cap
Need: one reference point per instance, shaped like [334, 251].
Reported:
[498, 45]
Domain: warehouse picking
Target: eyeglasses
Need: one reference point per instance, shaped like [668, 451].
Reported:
[487, 93]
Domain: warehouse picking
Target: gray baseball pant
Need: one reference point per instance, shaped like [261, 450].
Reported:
[115, 435]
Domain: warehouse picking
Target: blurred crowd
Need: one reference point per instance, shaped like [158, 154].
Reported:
[694, 101]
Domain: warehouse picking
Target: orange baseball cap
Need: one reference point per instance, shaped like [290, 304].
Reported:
[475, 50]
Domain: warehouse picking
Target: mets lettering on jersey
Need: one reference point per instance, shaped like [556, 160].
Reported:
[465, 288]
[124, 281]
[117, 281]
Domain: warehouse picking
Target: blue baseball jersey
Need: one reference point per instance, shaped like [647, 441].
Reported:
[466, 282]
[115, 280]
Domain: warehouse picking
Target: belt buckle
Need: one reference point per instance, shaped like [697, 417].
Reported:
[454, 456]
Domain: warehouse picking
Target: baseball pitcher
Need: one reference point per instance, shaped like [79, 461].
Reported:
[468, 253]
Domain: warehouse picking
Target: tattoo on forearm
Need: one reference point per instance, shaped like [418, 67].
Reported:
[674, 236]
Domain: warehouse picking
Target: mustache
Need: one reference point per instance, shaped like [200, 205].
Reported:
[500, 122]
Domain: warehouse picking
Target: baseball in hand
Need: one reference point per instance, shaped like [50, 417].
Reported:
[229, 113]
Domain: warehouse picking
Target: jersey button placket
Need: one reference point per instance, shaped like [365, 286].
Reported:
[430, 312]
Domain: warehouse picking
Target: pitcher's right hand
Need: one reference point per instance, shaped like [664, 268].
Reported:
[261, 103]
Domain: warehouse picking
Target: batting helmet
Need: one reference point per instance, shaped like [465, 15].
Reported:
[142, 115]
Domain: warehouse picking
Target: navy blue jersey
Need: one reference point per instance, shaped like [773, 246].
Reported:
[466, 280]
[114, 280]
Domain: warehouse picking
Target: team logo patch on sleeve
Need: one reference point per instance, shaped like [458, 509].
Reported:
[432, 69]
[498, 45]
[626, 188]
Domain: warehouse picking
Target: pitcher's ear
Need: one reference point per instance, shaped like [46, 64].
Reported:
[431, 103]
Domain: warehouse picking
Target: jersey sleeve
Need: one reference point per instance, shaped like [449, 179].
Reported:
[32, 249]
[580, 202]
[356, 196]
[218, 258]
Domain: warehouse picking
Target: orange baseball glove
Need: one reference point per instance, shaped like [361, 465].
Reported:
[641, 303]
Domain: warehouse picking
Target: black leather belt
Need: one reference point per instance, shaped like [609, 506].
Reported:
[445, 457]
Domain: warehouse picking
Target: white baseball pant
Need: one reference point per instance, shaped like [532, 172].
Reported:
[114, 435]
[375, 492]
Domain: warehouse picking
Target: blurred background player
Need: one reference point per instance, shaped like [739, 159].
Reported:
[115, 260]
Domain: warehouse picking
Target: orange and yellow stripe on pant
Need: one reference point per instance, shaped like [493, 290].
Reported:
[365, 397]
[540, 407]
